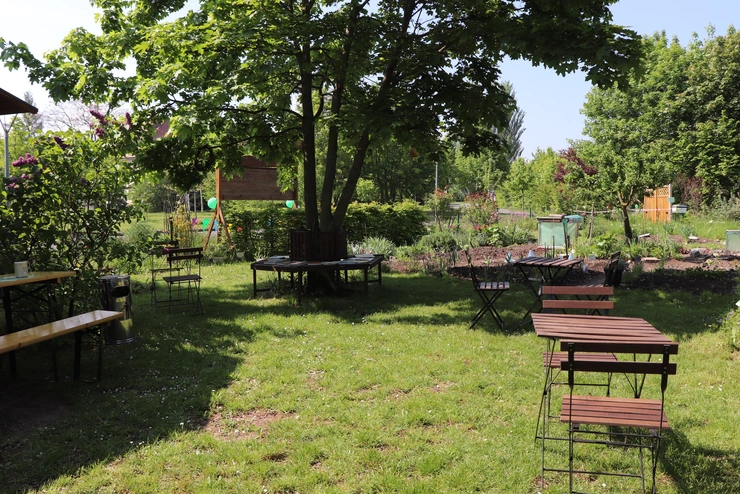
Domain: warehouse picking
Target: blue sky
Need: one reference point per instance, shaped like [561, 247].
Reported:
[552, 103]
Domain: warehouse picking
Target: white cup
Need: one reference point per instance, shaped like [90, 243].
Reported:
[21, 269]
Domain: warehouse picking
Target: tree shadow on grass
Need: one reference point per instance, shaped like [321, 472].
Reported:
[696, 469]
[434, 301]
[152, 388]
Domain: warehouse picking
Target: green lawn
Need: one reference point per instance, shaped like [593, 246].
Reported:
[386, 393]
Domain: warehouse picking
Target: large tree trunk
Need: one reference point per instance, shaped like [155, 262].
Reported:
[309, 139]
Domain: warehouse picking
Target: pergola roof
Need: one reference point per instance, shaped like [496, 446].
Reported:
[9, 104]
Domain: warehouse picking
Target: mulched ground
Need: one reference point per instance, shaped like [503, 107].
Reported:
[704, 271]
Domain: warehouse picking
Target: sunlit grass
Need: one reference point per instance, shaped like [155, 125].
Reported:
[386, 393]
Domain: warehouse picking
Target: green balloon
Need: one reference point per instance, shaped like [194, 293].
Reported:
[206, 222]
[290, 203]
[212, 203]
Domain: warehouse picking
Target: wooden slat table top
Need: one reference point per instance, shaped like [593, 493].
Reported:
[548, 262]
[606, 329]
[8, 280]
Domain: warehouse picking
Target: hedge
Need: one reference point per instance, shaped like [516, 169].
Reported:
[263, 230]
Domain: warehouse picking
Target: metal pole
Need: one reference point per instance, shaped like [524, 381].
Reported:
[6, 128]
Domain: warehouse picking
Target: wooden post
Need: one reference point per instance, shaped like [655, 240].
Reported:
[218, 214]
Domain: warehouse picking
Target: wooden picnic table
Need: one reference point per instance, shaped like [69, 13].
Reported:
[13, 293]
[552, 271]
[331, 269]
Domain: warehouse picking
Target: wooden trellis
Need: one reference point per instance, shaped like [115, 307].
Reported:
[656, 206]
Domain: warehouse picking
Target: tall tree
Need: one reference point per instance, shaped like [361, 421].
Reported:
[708, 142]
[261, 77]
[633, 128]
[487, 170]
[511, 134]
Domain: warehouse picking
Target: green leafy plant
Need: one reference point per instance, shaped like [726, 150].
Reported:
[481, 209]
[64, 206]
[375, 245]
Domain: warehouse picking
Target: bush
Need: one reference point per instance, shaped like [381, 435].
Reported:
[481, 209]
[401, 223]
[375, 245]
[64, 207]
[503, 236]
[263, 230]
[444, 241]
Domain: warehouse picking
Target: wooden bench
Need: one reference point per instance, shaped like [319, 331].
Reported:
[26, 337]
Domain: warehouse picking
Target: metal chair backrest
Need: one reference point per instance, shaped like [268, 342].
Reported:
[184, 258]
[664, 368]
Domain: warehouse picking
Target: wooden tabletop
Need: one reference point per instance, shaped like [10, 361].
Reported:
[608, 330]
[8, 280]
[554, 262]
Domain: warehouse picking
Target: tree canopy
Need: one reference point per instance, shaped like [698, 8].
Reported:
[677, 120]
[257, 77]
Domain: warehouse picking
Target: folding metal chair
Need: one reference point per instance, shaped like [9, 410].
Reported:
[184, 277]
[596, 299]
[623, 422]
[489, 292]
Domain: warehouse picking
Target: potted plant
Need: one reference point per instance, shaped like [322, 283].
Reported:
[219, 252]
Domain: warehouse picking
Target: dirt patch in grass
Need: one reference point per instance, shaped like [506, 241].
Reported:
[248, 425]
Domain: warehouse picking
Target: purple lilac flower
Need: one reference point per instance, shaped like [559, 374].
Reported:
[60, 142]
[129, 122]
[28, 159]
[99, 132]
[101, 118]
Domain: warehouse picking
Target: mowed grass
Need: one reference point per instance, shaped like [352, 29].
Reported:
[386, 393]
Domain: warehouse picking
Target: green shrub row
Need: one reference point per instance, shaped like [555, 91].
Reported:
[264, 229]
[401, 223]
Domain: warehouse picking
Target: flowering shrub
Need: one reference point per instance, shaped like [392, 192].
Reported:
[441, 202]
[63, 207]
[482, 209]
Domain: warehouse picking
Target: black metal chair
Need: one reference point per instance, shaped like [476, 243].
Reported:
[183, 281]
[611, 268]
[158, 265]
[622, 422]
[489, 292]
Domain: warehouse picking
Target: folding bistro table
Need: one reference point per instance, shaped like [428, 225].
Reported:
[552, 271]
[607, 335]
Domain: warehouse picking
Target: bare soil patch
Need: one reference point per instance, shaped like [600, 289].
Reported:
[248, 425]
[695, 270]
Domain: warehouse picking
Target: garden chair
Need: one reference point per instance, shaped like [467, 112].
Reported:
[611, 268]
[183, 280]
[590, 299]
[623, 422]
[158, 266]
[489, 292]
